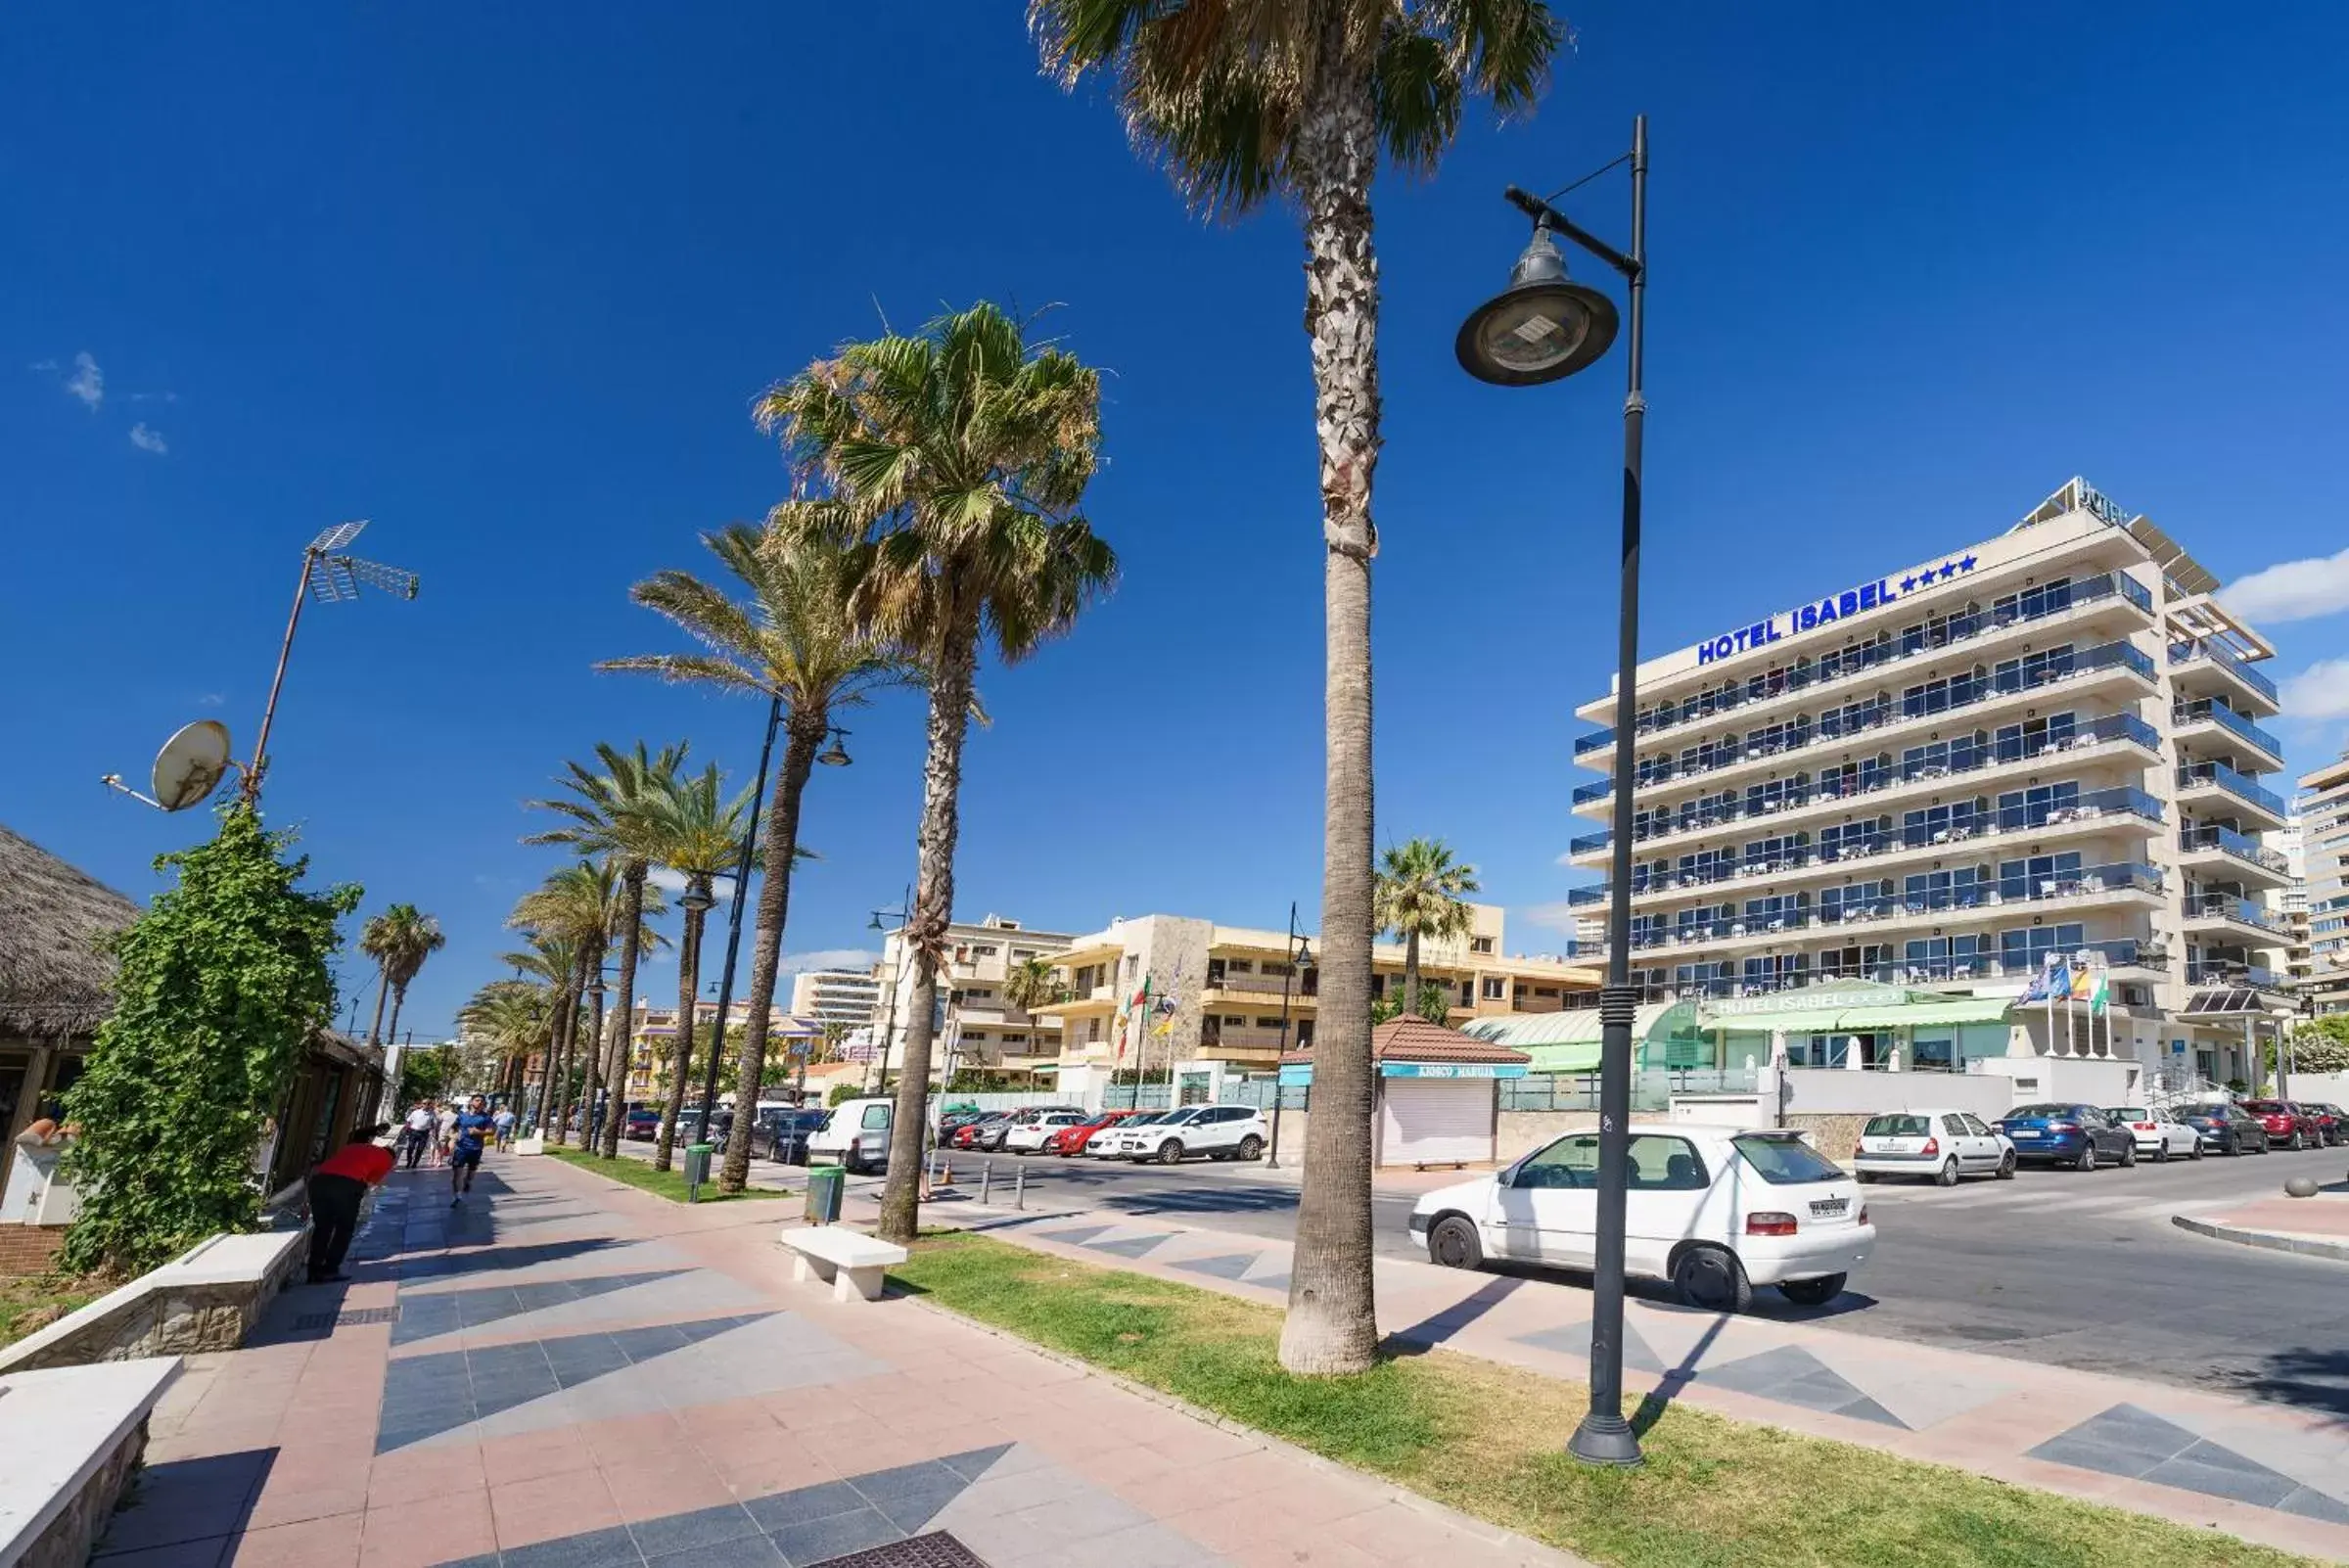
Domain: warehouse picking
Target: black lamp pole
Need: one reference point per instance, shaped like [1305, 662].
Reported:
[1301, 953]
[742, 882]
[1542, 328]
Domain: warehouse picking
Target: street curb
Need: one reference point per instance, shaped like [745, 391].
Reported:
[2304, 1246]
[1405, 1497]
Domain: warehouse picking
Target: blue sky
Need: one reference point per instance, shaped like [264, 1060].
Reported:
[508, 287]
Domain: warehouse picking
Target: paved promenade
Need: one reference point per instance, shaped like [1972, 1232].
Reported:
[569, 1374]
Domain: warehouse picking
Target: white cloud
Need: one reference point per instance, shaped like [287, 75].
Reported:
[827, 958]
[2291, 590]
[88, 382]
[148, 440]
[674, 883]
[2319, 693]
[42, 365]
[211, 699]
[1559, 916]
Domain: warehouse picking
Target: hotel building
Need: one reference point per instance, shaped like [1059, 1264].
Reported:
[2044, 743]
[836, 996]
[976, 1024]
[2325, 829]
[652, 1038]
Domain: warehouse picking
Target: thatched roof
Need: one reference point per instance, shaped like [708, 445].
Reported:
[53, 979]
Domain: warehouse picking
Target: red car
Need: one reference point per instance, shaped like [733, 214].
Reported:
[2289, 1123]
[1065, 1141]
[966, 1136]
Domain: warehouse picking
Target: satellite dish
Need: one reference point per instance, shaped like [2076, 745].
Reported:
[189, 767]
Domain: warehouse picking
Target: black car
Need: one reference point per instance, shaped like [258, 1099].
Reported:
[781, 1134]
[2227, 1129]
[2081, 1137]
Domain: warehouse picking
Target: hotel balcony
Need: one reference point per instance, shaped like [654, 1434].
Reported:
[2209, 789]
[2205, 725]
[2222, 915]
[1995, 902]
[2127, 957]
[2110, 601]
[2267, 989]
[2200, 668]
[2118, 671]
[2120, 740]
[2212, 852]
[1098, 1000]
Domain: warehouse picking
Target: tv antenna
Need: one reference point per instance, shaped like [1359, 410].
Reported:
[186, 770]
[330, 576]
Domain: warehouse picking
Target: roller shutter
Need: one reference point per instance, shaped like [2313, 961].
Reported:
[1435, 1121]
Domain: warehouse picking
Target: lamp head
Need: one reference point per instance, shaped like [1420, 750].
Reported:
[1541, 328]
[875, 924]
[696, 896]
[837, 756]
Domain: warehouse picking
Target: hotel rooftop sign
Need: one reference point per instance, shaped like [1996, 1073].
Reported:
[1834, 607]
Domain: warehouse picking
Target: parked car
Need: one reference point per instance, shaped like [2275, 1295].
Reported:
[1943, 1145]
[991, 1134]
[1218, 1132]
[1071, 1140]
[2077, 1135]
[1714, 1210]
[1030, 1136]
[855, 1134]
[966, 1136]
[2227, 1128]
[644, 1122]
[1104, 1144]
[781, 1134]
[2289, 1123]
[2331, 1119]
[2157, 1131]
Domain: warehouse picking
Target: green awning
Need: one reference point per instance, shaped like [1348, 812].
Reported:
[1818, 1020]
[1580, 1056]
[1576, 1025]
[1929, 1015]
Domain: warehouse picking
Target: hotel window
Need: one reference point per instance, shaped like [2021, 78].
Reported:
[1711, 979]
[1936, 757]
[1937, 631]
[1939, 696]
[1093, 1030]
[1655, 769]
[2041, 876]
[1945, 957]
[1705, 920]
[2031, 602]
[1873, 961]
[2033, 735]
[1496, 989]
[2034, 668]
[1777, 972]
[1844, 660]
[1853, 838]
[1768, 683]
[2026, 951]
[1961, 888]
[1854, 717]
[1268, 1023]
[976, 1036]
[2034, 807]
[1647, 929]
[1787, 848]
[1841, 904]
[1855, 778]
[1776, 795]
[1940, 824]
[1706, 866]
[1480, 943]
[1792, 732]
[1777, 911]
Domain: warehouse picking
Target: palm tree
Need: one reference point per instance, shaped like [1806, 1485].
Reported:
[552, 963]
[515, 1016]
[1029, 985]
[952, 464]
[615, 812]
[1298, 99]
[580, 905]
[790, 638]
[1420, 889]
[399, 941]
[698, 836]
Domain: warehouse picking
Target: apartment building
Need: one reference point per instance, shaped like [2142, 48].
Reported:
[653, 1036]
[2325, 827]
[2044, 743]
[2292, 845]
[836, 996]
[1164, 989]
[976, 1024]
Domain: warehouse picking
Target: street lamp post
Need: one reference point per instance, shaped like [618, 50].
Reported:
[1301, 953]
[1541, 328]
[902, 913]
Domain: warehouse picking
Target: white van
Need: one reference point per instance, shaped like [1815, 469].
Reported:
[857, 1136]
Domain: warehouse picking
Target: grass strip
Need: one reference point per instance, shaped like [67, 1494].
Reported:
[34, 1302]
[669, 1185]
[1487, 1440]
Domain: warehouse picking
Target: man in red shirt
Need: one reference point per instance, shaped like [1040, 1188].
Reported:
[336, 1190]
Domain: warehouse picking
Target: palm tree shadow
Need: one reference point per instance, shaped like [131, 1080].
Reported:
[2305, 1379]
[1417, 1339]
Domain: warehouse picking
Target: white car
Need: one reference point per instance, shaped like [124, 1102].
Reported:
[1714, 1210]
[856, 1135]
[1218, 1132]
[2157, 1131]
[1104, 1145]
[1941, 1144]
[1027, 1135]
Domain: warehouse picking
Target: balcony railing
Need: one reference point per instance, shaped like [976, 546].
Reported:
[2226, 907]
[1596, 740]
[2232, 782]
[1957, 630]
[2226, 841]
[2125, 952]
[1586, 794]
[2227, 718]
[1256, 985]
[1963, 692]
[2201, 648]
[1927, 902]
[1587, 842]
[1584, 898]
[2226, 972]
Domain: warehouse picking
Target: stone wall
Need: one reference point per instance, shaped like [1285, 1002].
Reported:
[1837, 1137]
[67, 1539]
[208, 1299]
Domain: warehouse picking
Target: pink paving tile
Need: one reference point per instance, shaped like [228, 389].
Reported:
[417, 1534]
[652, 1492]
[332, 1542]
[416, 1475]
[621, 1435]
[1195, 1443]
[551, 1505]
[288, 1501]
[534, 1453]
[760, 1477]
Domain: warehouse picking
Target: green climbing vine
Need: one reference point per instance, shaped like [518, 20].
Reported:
[223, 980]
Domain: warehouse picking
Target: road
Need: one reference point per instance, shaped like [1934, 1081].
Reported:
[2056, 1267]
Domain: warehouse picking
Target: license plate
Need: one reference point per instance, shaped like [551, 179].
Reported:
[2024, 1133]
[1828, 1206]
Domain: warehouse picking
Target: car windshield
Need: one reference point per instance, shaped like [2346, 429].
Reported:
[2021, 1110]
[1785, 1162]
[2263, 1107]
[1895, 1127]
[1143, 1120]
[1175, 1118]
[2128, 1113]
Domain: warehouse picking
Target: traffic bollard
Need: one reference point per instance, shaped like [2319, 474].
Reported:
[987, 1175]
[1018, 1188]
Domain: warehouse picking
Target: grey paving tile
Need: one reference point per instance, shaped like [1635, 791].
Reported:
[746, 1552]
[1573, 1339]
[912, 1494]
[1230, 1267]
[1074, 1238]
[1270, 1282]
[703, 1527]
[1131, 1246]
[2121, 1441]
[977, 1462]
[814, 1541]
[596, 1549]
[2259, 1483]
[2310, 1503]
[781, 1508]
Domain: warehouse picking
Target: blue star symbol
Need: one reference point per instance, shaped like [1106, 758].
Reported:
[1947, 571]
[1967, 564]
[1909, 583]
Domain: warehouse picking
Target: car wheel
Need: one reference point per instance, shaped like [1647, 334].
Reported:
[1252, 1147]
[1814, 1292]
[1864, 1177]
[1171, 1152]
[2087, 1157]
[1947, 1175]
[2293, 1144]
[1454, 1245]
[2161, 1152]
[2129, 1154]
[1711, 1279]
[2197, 1152]
[2007, 1166]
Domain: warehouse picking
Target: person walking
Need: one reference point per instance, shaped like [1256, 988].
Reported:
[504, 1122]
[444, 1132]
[336, 1189]
[466, 1134]
[417, 1131]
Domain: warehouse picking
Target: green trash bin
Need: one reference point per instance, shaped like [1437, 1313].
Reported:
[825, 1183]
[697, 1170]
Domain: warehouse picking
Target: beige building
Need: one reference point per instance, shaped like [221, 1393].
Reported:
[653, 1036]
[2046, 743]
[976, 1024]
[1216, 993]
[836, 996]
[2325, 827]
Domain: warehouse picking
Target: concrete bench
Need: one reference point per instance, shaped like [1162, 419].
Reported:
[851, 1262]
[208, 1299]
[73, 1437]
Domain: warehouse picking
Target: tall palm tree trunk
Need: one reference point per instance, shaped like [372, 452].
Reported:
[558, 1060]
[804, 734]
[400, 999]
[933, 911]
[1410, 975]
[680, 1056]
[567, 1066]
[1332, 1323]
[616, 1081]
[383, 995]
